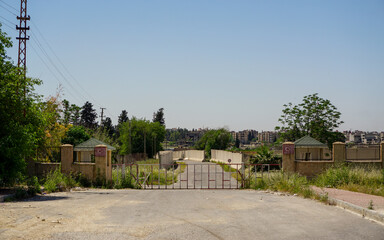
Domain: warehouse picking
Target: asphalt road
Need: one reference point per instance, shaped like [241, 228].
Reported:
[179, 214]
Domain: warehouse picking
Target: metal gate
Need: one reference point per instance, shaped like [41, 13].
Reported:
[192, 175]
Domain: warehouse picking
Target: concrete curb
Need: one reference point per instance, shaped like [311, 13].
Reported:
[364, 212]
[3, 197]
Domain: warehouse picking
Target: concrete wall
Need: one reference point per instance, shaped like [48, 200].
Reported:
[223, 156]
[41, 169]
[194, 155]
[166, 159]
[362, 154]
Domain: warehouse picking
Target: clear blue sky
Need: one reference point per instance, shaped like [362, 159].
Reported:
[212, 63]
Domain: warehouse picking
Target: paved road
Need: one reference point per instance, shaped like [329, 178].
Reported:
[179, 214]
[205, 175]
[201, 175]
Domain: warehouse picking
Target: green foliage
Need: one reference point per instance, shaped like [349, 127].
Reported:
[368, 180]
[22, 122]
[264, 155]
[315, 116]
[214, 139]
[88, 116]
[76, 135]
[159, 116]
[57, 181]
[280, 181]
[133, 133]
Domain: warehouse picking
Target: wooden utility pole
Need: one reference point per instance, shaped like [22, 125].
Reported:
[102, 115]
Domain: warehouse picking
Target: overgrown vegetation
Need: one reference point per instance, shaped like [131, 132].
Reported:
[148, 173]
[56, 181]
[366, 179]
[214, 139]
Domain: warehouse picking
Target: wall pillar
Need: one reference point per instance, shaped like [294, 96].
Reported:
[288, 163]
[338, 152]
[101, 162]
[382, 154]
[66, 158]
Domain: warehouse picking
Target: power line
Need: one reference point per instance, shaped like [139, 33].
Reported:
[8, 20]
[9, 5]
[55, 66]
[8, 10]
[64, 67]
[52, 72]
[5, 24]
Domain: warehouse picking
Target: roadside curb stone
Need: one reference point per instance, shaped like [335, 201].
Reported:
[364, 212]
[3, 197]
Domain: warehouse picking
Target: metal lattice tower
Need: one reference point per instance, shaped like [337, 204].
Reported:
[23, 28]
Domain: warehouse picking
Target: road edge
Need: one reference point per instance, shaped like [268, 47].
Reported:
[364, 212]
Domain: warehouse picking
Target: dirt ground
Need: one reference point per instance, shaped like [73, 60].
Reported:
[179, 214]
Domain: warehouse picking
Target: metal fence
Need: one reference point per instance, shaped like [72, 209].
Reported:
[193, 176]
[362, 152]
[48, 154]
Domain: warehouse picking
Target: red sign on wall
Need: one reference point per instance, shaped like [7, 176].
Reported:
[100, 152]
[289, 149]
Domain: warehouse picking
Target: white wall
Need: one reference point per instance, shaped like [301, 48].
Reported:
[223, 156]
[194, 155]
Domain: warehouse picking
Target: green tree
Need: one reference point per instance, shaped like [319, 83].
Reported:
[108, 127]
[75, 114]
[315, 116]
[134, 132]
[123, 117]
[22, 123]
[66, 111]
[76, 135]
[159, 116]
[88, 116]
[214, 139]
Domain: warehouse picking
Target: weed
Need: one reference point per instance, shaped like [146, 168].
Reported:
[370, 205]
[57, 181]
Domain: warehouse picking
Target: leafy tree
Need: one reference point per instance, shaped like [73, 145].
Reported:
[315, 116]
[21, 128]
[214, 139]
[159, 116]
[75, 114]
[88, 116]
[108, 127]
[123, 117]
[134, 132]
[75, 135]
[66, 112]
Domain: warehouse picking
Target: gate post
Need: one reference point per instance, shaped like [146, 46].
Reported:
[338, 152]
[288, 163]
[103, 163]
[382, 154]
[66, 158]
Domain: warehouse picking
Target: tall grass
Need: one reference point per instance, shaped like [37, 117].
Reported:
[148, 173]
[57, 181]
[366, 179]
[283, 182]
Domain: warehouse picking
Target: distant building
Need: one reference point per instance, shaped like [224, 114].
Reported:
[267, 137]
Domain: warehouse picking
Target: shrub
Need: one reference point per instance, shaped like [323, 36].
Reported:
[56, 181]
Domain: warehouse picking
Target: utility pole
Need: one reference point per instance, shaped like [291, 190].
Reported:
[23, 28]
[102, 115]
